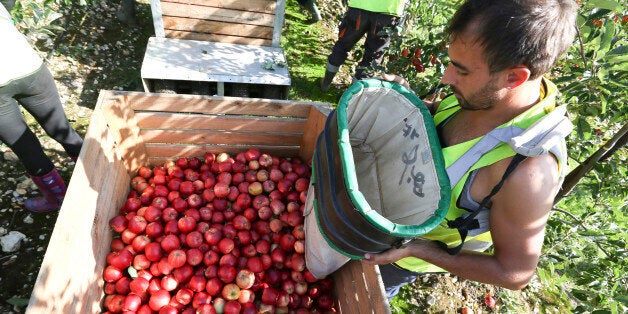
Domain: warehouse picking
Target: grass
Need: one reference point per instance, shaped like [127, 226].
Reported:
[306, 47]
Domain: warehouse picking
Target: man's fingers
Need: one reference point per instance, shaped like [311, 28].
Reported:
[369, 258]
[397, 79]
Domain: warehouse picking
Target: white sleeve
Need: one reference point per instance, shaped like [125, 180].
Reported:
[20, 59]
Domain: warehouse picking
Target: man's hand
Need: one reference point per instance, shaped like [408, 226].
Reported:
[393, 255]
[431, 105]
[386, 257]
[397, 79]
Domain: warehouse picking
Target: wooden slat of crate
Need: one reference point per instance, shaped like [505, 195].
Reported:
[162, 153]
[218, 14]
[69, 280]
[219, 137]
[218, 38]
[263, 6]
[121, 119]
[375, 287]
[213, 122]
[359, 289]
[219, 105]
[315, 124]
[216, 27]
[196, 17]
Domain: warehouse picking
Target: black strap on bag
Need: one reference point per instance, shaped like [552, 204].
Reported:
[466, 223]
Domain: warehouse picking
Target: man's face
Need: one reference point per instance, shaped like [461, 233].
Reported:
[468, 75]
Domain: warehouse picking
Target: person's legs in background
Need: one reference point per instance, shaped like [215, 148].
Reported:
[38, 94]
[394, 278]
[377, 39]
[352, 27]
[126, 12]
[18, 136]
[41, 99]
[8, 4]
[310, 5]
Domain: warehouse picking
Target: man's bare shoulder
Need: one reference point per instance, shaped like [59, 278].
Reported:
[531, 185]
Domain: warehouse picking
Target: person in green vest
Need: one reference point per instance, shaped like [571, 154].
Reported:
[364, 17]
[502, 137]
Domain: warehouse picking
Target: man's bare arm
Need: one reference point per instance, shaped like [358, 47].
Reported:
[518, 217]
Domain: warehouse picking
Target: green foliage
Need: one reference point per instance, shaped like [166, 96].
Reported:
[583, 268]
[587, 245]
[301, 42]
[419, 52]
[593, 77]
[36, 17]
[40, 19]
[19, 302]
[588, 238]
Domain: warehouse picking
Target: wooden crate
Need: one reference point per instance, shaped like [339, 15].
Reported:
[218, 47]
[131, 129]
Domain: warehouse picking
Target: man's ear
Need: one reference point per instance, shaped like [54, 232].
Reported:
[517, 75]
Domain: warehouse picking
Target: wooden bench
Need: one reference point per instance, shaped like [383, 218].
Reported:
[217, 47]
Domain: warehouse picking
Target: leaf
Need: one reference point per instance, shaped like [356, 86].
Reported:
[603, 103]
[19, 302]
[606, 40]
[132, 272]
[585, 31]
[580, 294]
[618, 54]
[605, 4]
[590, 233]
[623, 298]
[46, 32]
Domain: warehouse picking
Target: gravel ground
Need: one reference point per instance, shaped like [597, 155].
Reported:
[96, 52]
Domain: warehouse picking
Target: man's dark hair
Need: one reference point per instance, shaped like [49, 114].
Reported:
[534, 33]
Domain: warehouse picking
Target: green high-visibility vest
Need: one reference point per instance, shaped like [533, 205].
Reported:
[500, 151]
[390, 7]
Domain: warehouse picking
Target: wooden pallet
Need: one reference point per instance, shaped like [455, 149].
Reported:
[131, 129]
[230, 46]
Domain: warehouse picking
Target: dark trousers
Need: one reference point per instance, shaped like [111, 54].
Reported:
[37, 93]
[355, 24]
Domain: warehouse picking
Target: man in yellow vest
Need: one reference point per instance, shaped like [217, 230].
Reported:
[363, 17]
[502, 112]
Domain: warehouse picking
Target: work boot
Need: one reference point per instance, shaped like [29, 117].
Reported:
[53, 190]
[126, 12]
[325, 82]
[313, 9]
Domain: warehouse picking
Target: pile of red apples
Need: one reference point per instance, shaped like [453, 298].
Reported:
[222, 234]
